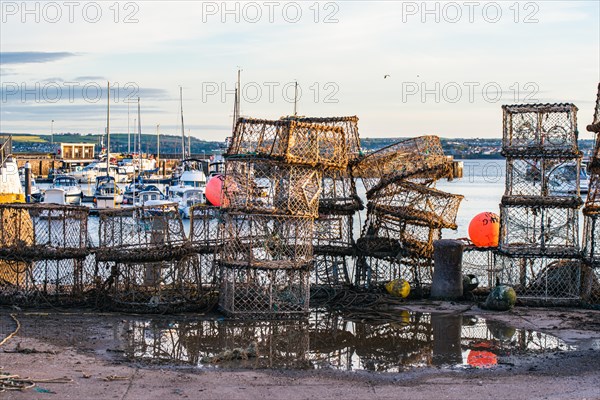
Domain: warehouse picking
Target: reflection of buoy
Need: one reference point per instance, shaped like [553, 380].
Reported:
[482, 359]
[484, 229]
[213, 190]
[398, 287]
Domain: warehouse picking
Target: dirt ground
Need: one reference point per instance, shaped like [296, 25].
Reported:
[52, 345]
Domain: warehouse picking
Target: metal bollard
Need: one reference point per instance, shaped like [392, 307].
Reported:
[447, 271]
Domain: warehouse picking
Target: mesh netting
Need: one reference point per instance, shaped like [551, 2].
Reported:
[543, 278]
[550, 177]
[264, 293]
[140, 234]
[539, 230]
[375, 271]
[591, 235]
[331, 271]
[403, 160]
[413, 202]
[189, 283]
[48, 282]
[349, 126]
[338, 193]
[481, 262]
[253, 185]
[333, 234]
[595, 125]
[538, 129]
[267, 241]
[43, 232]
[385, 235]
[291, 142]
[205, 224]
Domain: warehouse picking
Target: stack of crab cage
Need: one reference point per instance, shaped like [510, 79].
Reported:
[270, 200]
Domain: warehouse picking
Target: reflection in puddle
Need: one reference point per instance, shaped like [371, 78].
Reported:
[335, 341]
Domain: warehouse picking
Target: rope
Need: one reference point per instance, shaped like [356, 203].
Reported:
[6, 339]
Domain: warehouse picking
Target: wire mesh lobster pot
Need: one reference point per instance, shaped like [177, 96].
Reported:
[291, 142]
[267, 241]
[376, 271]
[331, 270]
[481, 262]
[205, 229]
[538, 230]
[348, 124]
[30, 232]
[413, 202]
[555, 177]
[141, 234]
[52, 282]
[333, 234]
[591, 236]
[542, 278]
[420, 157]
[538, 129]
[386, 235]
[253, 293]
[254, 185]
[338, 193]
[595, 125]
[186, 284]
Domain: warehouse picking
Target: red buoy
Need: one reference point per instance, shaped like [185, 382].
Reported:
[213, 190]
[484, 229]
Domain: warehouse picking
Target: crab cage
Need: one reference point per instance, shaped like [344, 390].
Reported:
[291, 142]
[591, 236]
[31, 232]
[539, 230]
[481, 262]
[331, 271]
[259, 293]
[348, 124]
[141, 234]
[333, 234]
[267, 241]
[374, 271]
[338, 193]
[50, 282]
[186, 284]
[386, 235]
[413, 202]
[205, 228]
[546, 279]
[595, 125]
[412, 158]
[258, 185]
[555, 177]
[537, 129]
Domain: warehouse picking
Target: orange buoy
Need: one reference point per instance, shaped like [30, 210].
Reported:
[213, 190]
[484, 229]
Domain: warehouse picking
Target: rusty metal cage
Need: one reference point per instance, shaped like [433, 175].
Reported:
[413, 202]
[386, 235]
[348, 124]
[555, 178]
[141, 234]
[376, 271]
[31, 232]
[542, 278]
[333, 234]
[267, 241]
[59, 282]
[205, 224]
[416, 157]
[331, 271]
[186, 284]
[264, 293]
[538, 129]
[255, 185]
[481, 262]
[291, 142]
[591, 236]
[338, 193]
[595, 125]
[539, 230]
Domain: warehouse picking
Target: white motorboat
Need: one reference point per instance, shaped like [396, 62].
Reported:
[107, 194]
[149, 198]
[72, 191]
[186, 198]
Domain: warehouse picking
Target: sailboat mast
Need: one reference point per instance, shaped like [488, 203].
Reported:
[296, 99]
[108, 129]
[139, 118]
[157, 143]
[182, 126]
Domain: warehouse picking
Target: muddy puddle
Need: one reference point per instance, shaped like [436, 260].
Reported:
[334, 341]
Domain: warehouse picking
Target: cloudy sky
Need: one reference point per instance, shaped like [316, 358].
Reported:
[405, 68]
